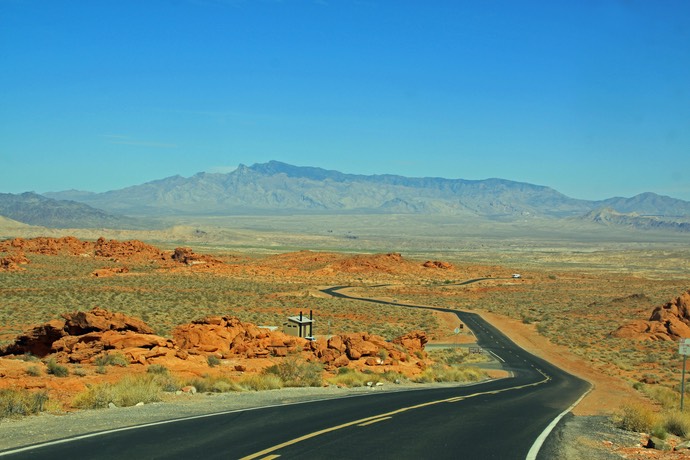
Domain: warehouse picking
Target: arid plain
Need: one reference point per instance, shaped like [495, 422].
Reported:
[578, 285]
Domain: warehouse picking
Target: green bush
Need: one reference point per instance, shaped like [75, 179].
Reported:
[111, 359]
[213, 360]
[157, 369]
[33, 371]
[295, 373]
[15, 403]
[56, 369]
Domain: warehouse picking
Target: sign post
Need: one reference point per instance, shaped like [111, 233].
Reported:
[683, 349]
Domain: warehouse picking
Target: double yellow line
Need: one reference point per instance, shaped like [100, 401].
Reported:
[382, 417]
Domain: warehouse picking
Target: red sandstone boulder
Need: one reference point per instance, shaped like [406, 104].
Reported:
[98, 319]
[668, 322]
[38, 341]
[437, 264]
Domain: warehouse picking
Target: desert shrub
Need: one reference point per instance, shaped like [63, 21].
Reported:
[213, 384]
[79, 371]
[439, 373]
[352, 378]
[393, 376]
[56, 369]
[101, 370]
[28, 357]
[668, 398]
[129, 391]
[259, 382]
[295, 373]
[157, 369]
[33, 371]
[224, 386]
[454, 356]
[111, 359]
[15, 402]
[635, 417]
[677, 423]
[213, 360]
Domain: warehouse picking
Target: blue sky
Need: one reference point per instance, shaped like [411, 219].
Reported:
[589, 97]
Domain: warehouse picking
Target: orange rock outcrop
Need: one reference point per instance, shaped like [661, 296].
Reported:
[667, 322]
[82, 337]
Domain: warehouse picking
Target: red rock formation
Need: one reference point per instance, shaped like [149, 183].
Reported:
[81, 337]
[227, 336]
[437, 264]
[670, 321]
[100, 320]
[188, 257]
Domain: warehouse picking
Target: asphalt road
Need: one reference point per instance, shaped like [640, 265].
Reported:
[498, 419]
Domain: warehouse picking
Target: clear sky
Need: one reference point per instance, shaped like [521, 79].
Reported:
[590, 97]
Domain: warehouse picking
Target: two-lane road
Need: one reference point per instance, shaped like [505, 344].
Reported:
[497, 419]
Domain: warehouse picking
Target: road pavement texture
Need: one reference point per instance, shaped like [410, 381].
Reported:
[496, 419]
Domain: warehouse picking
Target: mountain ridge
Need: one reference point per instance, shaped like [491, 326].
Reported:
[276, 187]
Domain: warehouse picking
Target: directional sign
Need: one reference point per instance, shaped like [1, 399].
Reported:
[684, 347]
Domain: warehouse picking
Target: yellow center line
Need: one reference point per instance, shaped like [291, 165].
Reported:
[375, 421]
[387, 415]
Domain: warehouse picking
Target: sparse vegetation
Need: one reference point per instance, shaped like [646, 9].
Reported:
[132, 389]
[213, 360]
[18, 402]
[111, 359]
[33, 371]
[293, 372]
[58, 370]
[260, 382]
[636, 417]
[440, 373]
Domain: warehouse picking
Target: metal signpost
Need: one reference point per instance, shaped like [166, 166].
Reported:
[684, 349]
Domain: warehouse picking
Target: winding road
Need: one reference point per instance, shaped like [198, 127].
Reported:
[501, 419]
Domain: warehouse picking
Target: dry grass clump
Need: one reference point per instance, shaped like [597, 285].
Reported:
[456, 356]
[260, 382]
[212, 384]
[354, 378]
[20, 402]
[677, 423]
[129, 391]
[441, 373]
[636, 417]
[296, 373]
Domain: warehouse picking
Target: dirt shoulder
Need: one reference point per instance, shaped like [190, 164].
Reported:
[608, 394]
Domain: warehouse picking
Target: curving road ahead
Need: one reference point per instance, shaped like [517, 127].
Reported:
[497, 419]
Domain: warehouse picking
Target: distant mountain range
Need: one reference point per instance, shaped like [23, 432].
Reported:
[34, 209]
[276, 187]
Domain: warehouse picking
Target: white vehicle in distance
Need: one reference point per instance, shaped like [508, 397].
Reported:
[517, 275]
